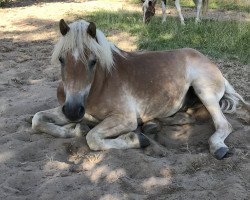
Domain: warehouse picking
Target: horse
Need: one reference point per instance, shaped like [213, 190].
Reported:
[148, 9]
[115, 90]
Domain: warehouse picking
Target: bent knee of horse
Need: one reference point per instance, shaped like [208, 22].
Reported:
[131, 125]
[37, 120]
[92, 142]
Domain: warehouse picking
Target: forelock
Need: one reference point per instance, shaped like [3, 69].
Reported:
[77, 39]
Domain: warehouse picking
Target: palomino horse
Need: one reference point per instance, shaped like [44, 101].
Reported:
[117, 89]
[148, 8]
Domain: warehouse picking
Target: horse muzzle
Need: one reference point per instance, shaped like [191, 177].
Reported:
[73, 111]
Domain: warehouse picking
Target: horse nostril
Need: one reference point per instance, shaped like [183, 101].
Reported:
[63, 110]
[81, 111]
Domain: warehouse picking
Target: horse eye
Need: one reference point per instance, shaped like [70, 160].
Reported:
[92, 63]
[61, 60]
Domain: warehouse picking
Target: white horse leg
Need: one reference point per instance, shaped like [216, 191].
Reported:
[178, 7]
[199, 4]
[144, 14]
[116, 132]
[163, 6]
[54, 122]
[222, 126]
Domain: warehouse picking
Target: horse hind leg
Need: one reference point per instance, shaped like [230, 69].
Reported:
[210, 98]
[186, 115]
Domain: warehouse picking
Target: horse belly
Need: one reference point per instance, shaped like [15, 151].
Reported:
[162, 104]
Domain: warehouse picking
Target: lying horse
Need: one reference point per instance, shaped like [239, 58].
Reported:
[148, 8]
[116, 89]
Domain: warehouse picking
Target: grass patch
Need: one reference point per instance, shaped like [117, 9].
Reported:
[239, 5]
[228, 40]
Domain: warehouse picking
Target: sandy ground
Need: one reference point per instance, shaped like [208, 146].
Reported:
[38, 166]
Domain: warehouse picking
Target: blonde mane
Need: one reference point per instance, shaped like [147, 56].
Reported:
[78, 39]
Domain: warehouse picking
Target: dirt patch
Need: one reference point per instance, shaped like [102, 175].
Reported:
[38, 166]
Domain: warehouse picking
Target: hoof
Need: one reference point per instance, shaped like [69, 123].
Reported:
[144, 141]
[150, 128]
[221, 153]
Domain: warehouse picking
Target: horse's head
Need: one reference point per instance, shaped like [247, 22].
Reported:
[148, 9]
[77, 66]
[81, 49]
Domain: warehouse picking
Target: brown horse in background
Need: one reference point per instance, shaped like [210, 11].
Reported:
[117, 89]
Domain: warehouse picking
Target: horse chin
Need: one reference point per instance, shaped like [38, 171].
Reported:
[73, 118]
[75, 121]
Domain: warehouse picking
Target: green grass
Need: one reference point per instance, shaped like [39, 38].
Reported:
[228, 40]
[238, 5]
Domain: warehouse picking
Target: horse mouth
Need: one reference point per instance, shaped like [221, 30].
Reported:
[74, 121]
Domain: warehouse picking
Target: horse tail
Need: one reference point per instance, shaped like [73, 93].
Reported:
[205, 6]
[231, 99]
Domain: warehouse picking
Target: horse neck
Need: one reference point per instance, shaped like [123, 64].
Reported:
[101, 77]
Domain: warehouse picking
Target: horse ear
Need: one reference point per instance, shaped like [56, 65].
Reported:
[92, 29]
[64, 28]
[142, 1]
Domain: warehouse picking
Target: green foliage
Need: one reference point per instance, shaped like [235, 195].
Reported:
[240, 5]
[218, 39]
[4, 2]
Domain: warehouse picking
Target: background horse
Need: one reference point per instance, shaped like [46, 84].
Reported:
[116, 89]
[148, 8]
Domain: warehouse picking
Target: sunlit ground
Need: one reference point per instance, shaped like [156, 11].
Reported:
[39, 22]
[33, 164]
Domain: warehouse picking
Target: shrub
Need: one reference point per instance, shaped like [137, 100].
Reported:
[4, 2]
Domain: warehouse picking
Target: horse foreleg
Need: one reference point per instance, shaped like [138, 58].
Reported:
[54, 122]
[178, 7]
[199, 4]
[163, 7]
[116, 132]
